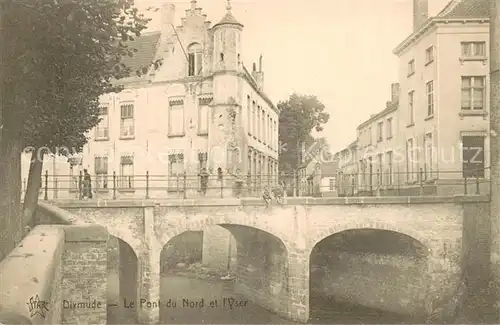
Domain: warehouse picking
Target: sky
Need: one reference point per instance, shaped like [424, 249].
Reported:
[337, 50]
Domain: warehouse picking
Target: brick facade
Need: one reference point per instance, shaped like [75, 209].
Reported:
[84, 274]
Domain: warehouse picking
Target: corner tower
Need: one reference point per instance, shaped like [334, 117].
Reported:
[224, 138]
[227, 43]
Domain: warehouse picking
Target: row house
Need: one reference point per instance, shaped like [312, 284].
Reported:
[436, 139]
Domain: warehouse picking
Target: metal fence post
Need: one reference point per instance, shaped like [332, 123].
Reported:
[80, 185]
[421, 182]
[249, 184]
[294, 184]
[221, 179]
[55, 186]
[177, 182]
[185, 185]
[477, 185]
[114, 185]
[465, 185]
[147, 184]
[46, 196]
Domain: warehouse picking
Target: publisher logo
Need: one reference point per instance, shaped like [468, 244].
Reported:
[37, 307]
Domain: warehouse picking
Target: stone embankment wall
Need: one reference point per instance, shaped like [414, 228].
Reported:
[65, 260]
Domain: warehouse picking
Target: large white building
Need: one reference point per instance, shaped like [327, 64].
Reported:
[201, 109]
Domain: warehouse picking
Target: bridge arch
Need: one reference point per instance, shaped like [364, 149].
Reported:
[390, 264]
[341, 226]
[164, 232]
[123, 276]
[258, 260]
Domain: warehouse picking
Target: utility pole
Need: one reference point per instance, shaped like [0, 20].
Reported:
[495, 150]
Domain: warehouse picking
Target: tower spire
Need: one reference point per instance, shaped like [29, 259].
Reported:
[193, 5]
[228, 6]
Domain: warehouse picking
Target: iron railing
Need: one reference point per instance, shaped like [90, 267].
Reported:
[443, 183]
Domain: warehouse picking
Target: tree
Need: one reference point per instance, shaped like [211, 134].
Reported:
[73, 57]
[299, 115]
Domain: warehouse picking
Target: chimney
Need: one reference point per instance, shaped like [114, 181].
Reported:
[420, 13]
[395, 93]
[167, 21]
[258, 76]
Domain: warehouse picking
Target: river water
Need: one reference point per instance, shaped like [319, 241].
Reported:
[222, 306]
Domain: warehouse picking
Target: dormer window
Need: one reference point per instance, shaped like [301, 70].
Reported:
[195, 59]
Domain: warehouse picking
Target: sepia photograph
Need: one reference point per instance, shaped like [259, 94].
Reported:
[249, 162]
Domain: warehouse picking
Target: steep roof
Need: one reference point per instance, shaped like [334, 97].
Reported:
[146, 46]
[467, 9]
[228, 19]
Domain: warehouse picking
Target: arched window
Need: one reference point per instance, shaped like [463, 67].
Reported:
[195, 59]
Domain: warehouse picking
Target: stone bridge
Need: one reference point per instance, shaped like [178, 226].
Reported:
[279, 249]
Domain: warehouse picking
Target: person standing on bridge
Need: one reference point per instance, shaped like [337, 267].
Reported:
[87, 185]
[238, 183]
[203, 181]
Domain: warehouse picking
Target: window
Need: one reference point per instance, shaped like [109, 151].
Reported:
[263, 126]
[332, 184]
[389, 168]
[102, 129]
[276, 136]
[258, 123]
[127, 121]
[411, 67]
[195, 59]
[268, 129]
[254, 119]
[430, 98]
[73, 179]
[101, 171]
[249, 115]
[370, 135]
[410, 172]
[126, 172]
[271, 133]
[203, 116]
[429, 55]
[176, 166]
[202, 160]
[380, 168]
[473, 93]
[176, 118]
[362, 167]
[380, 126]
[389, 128]
[473, 156]
[411, 113]
[428, 156]
[473, 49]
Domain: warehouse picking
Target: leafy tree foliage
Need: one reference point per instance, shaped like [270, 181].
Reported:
[300, 115]
[62, 56]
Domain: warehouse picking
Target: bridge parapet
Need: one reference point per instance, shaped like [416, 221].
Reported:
[200, 202]
[29, 272]
[62, 261]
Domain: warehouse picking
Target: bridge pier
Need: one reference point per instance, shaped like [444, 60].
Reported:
[298, 282]
[148, 293]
